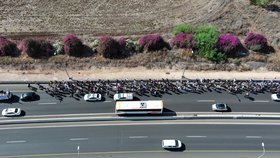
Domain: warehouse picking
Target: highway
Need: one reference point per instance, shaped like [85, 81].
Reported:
[101, 138]
[189, 102]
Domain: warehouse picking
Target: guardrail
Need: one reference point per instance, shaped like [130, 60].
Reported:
[113, 117]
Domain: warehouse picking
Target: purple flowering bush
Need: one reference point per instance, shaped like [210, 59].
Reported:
[152, 42]
[109, 47]
[122, 42]
[73, 46]
[183, 40]
[255, 42]
[36, 48]
[7, 48]
[228, 43]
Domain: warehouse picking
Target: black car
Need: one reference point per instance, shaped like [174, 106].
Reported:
[29, 96]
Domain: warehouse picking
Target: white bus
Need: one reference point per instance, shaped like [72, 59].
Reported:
[139, 107]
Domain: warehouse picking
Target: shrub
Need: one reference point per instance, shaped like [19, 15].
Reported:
[183, 40]
[255, 42]
[109, 47]
[228, 43]
[183, 28]
[73, 46]
[262, 3]
[206, 38]
[7, 48]
[152, 42]
[132, 46]
[215, 56]
[36, 48]
[94, 45]
[58, 48]
[122, 42]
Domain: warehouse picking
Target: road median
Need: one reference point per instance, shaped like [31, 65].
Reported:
[113, 117]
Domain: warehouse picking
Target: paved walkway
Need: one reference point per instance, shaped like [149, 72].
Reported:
[134, 73]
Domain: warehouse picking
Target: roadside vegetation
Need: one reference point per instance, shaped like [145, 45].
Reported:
[203, 43]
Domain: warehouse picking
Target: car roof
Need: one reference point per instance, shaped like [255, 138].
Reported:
[170, 142]
[11, 110]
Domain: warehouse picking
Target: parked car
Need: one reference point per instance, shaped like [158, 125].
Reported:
[29, 96]
[219, 107]
[5, 95]
[275, 97]
[171, 144]
[11, 112]
[92, 97]
[123, 96]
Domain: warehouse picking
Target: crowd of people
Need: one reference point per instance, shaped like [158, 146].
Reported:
[156, 88]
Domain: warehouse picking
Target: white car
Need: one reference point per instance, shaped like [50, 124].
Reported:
[171, 144]
[11, 112]
[123, 96]
[219, 107]
[275, 97]
[92, 97]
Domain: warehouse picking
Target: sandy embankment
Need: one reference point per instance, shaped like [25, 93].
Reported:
[134, 73]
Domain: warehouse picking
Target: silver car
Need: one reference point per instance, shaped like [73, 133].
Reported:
[92, 97]
[220, 107]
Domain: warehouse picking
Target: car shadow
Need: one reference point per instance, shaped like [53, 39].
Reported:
[183, 148]
[136, 98]
[168, 112]
[23, 113]
[229, 110]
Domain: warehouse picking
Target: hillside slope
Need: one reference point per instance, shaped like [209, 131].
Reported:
[133, 17]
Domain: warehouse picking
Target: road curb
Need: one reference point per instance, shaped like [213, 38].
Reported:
[137, 118]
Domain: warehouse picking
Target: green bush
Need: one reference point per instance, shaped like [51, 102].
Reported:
[133, 46]
[94, 45]
[206, 38]
[215, 56]
[262, 3]
[183, 28]
[58, 48]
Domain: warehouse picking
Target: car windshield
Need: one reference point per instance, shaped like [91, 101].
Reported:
[220, 106]
[16, 110]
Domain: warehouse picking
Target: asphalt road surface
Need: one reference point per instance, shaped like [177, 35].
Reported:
[136, 137]
[189, 102]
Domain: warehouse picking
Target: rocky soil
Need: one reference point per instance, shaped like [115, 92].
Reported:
[88, 18]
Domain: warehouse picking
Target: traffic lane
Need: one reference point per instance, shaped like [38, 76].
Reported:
[189, 102]
[138, 138]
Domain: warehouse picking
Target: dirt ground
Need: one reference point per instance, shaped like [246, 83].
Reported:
[132, 73]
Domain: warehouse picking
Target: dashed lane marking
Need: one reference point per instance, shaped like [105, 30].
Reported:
[137, 137]
[76, 139]
[205, 100]
[47, 103]
[254, 137]
[261, 101]
[16, 141]
[196, 136]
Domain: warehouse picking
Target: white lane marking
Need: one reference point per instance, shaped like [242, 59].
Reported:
[107, 101]
[205, 100]
[47, 103]
[16, 141]
[254, 137]
[196, 136]
[261, 101]
[78, 139]
[137, 137]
